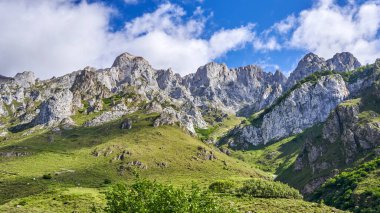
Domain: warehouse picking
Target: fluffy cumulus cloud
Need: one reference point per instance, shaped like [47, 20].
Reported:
[55, 37]
[328, 28]
[51, 37]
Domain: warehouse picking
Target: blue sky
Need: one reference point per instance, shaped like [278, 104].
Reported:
[229, 14]
[56, 37]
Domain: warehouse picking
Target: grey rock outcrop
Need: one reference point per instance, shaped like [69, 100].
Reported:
[55, 109]
[3, 111]
[25, 79]
[168, 117]
[234, 89]
[344, 127]
[307, 105]
[67, 124]
[115, 113]
[343, 62]
[126, 124]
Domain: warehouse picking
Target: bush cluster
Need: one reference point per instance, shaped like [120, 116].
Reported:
[223, 186]
[47, 176]
[269, 189]
[147, 196]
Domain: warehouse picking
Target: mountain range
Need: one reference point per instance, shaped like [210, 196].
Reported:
[318, 123]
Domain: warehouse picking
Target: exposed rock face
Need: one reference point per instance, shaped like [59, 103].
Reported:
[3, 111]
[301, 109]
[231, 89]
[342, 62]
[347, 134]
[116, 112]
[311, 63]
[168, 117]
[67, 124]
[86, 87]
[344, 127]
[55, 109]
[25, 79]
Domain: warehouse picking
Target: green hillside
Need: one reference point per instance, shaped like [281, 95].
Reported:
[69, 170]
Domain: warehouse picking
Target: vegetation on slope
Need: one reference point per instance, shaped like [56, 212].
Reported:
[256, 195]
[70, 170]
[356, 189]
[219, 129]
[148, 196]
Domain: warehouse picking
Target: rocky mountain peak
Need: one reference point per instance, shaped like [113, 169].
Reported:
[25, 79]
[126, 59]
[209, 72]
[342, 62]
[311, 57]
[308, 64]
[279, 77]
[311, 63]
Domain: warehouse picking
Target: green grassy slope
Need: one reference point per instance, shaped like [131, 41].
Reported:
[219, 129]
[84, 162]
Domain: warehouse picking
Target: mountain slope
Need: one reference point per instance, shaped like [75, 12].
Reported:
[68, 170]
[351, 135]
[86, 157]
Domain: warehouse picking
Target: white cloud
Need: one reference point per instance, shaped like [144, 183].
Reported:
[52, 37]
[226, 40]
[284, 26]
[266, 44]
[328, 28]
[166, 40]
[56, 37]
[131, 1]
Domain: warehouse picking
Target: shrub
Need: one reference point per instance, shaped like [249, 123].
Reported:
[107, 181]
[148, 196]
[22, 203]
[47, 176]
[269, 189]
[223, 186]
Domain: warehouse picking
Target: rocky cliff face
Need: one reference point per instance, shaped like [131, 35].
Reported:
[234, 89]
[351, 133]
[345, 137]
[303, 107]
[306, 104]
